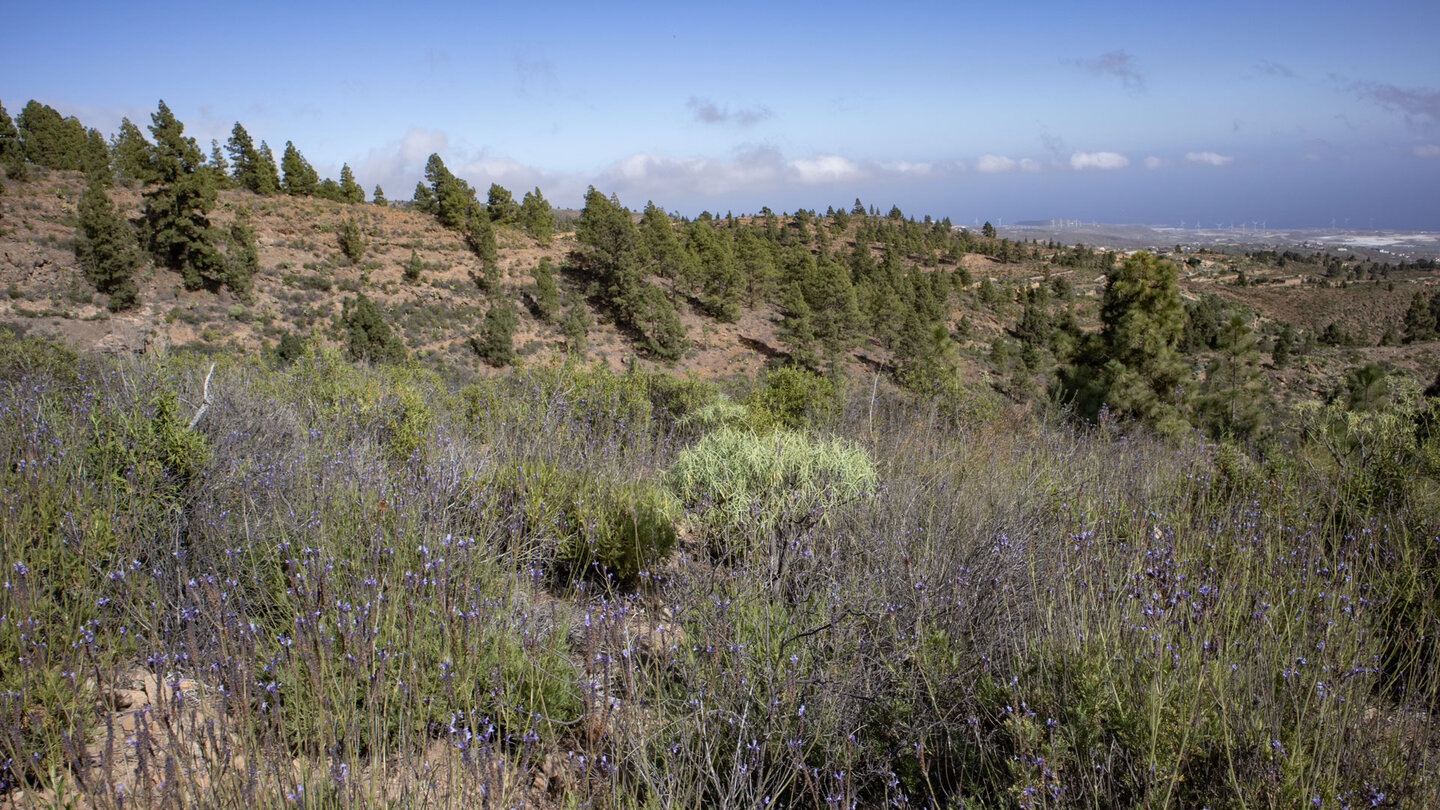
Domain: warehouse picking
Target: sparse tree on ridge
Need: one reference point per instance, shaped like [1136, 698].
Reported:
[300, 178]
[51, 140]
[350, 191]
[96, 159]
[267, 176]
[131, 152]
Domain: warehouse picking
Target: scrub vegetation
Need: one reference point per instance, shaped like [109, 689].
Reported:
[487, 505]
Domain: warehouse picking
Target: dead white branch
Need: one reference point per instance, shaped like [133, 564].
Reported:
[204, 399]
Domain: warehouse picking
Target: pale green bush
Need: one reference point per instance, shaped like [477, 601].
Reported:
[738, 480]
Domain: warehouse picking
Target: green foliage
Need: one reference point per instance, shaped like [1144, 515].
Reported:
[500, 206]
[242, 256]
[379, 197]
[495, 343]
[547, 296]
[267, 176]
[1420, 321]
[175, 219]
[537, 217]
[96, 160]
[740, 481]
[480, 237]
[1134, 365]
[351, 240]
[367, 335]
[51, 140]
[106, 248]
[611, 252]
[245, 162]
[576, 326]
[1233, 400]
[602, 530]
[792, 398]
[328, 189]
[413, 267]
[797, 328]
[12, 149]
[292, 347]
[300, 178]
[350, 191]
[1283, 347]
[720, 281]
[451, 199]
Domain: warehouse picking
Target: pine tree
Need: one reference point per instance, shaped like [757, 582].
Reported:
[328, 189]
[757, 266]
[797, 332]
[537, 217]
[576, 327]
[500, 205]
[453, 197]
[547, 296]
[97, 159]
[423, 199]
[351, 241]
[664, 332]
[51, 140]
[131, 152]
[350, 191]
[379, 197]
[105, 246]
[12, 151]
[720, 279]
[218, 167]
[659, 245]
[480, 236]
[496, 343]
[242, 257]
[366, 333]
[1232, 401]
[177, 205]
[1134, 365]
[1420, 323]
[244, 160]
[300, 178]
[413, 266]
[1282, 348]
[267, 176]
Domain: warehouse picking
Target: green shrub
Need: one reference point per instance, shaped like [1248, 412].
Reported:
[352, 242]
[792, 397]
[585, 526]
[739, 480]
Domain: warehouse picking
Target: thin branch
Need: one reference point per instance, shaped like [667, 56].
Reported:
[204, 400]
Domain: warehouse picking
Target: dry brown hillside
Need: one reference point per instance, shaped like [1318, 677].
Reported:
[303, 280]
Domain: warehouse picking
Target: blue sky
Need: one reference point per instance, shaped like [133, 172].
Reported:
[1296, 114]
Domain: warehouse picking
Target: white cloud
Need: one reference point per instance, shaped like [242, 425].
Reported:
[1153, 162]
[1029, 165]
[823, 169]
[401, 162]
[1098, 160]
[1209, 158]
[995, 163]
[1427, 150]
[906, 168]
